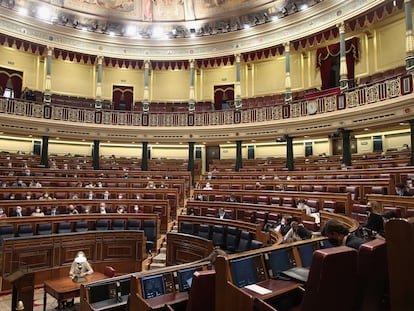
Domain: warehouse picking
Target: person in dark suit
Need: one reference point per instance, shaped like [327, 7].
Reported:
[53, 211]
[338, 234]
[401, 190]
[18, 212]
[375, 222]
[222, 214]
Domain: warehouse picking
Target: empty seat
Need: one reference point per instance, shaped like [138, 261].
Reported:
[150, 231]
[244, 242]
[204, 231]
[6, 231]
[232, 239]
[25, 230]
[133, 224]
[101, 224]
[44, 228]
[254, 244]
[187, 228]
[218, 236]
[64, 227]
[328, 266]
[81, 226]
[118, 224]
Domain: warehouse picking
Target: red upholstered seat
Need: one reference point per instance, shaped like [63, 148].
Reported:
[338, 266]
[201, 296]
[372, 275]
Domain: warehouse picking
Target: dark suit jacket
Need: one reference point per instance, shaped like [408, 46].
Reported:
[353, 241]
[225, 216]
[375, 222]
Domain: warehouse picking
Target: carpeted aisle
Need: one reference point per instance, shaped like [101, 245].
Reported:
[5, 302]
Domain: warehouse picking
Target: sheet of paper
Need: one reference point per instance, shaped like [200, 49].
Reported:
[258, 289]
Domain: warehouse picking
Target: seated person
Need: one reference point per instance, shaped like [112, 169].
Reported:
[191, 211]
[338, 234]
[80, 268]
[222, 214]
[120, 210]
[259, 186]
[401, 190]
[375, 222]
[233, 198]
[284, 225]
[19, 183]
[2, 213]
[297, 232]
[102, 208]
[208, 187]
[72, 210]
[106, 195]
[38, 212]
[53, 211]
[163, 185]
[151, 185]
[18, 212]
[138, 209]
[309, 210]
[90, 195]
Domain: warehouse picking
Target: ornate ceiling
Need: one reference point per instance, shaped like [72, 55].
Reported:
[172, 29]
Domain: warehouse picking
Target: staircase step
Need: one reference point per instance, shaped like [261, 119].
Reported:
[160, 258]
[156, 265]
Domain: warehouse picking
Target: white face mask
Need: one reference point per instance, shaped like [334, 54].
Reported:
[37, 210]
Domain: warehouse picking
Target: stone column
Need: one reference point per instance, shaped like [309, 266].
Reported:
[146, 103]
[191, 100]
[144, 160]
[239, 157]
[412, 140]
[289, 153]
[191, 161]
[95, 155]
[343, 70]
[237, 90]
[288, 83]
[44, 160]
[409, 47]
[47, 96]
[346, 147]
[98, 97]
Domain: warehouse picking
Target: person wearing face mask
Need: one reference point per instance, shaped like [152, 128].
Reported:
[18, 212]
[38, 212]
[2, 213]
[309, 210]
[401, 190]
[339, 235]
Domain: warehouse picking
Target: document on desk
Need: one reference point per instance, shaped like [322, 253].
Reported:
[258, 289]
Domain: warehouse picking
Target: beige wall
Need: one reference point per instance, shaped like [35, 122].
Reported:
[13, 144]
[122, 76]
[64, 147]
[216, 76]
[170, 85]
[72, 78]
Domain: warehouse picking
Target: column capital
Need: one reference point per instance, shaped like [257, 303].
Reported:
[100, 59]
[238, 57]
[341, 27]
[286, 45]
[147, 63]
[49, 50]
[192, 62]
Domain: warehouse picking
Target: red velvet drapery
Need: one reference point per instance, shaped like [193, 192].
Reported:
[16, 78]
[223, 93]
[324, 59]
[122, 97]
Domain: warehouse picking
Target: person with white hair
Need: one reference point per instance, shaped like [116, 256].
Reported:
[80, 268]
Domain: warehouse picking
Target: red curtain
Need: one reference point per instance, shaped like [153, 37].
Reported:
[223, 93]
[324, 59]
[122, 97]
[16, 78]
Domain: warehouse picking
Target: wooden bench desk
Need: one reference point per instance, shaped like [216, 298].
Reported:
[64, 288]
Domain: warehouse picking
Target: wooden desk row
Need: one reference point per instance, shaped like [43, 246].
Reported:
[96, 174]
[159, 208]
[402, 206]
[51, 256]
[73, 182]
[358, 187]
[340, 202]
[400, 174]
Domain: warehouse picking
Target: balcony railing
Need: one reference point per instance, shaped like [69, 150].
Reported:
[360, 96]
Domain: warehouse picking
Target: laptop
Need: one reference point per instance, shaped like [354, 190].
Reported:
[299, 274]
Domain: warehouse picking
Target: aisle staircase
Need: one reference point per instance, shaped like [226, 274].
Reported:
[159, 260]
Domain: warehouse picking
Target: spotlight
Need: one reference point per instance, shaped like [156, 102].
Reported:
[256, 20]
[64, 19]
[266, 17]
[295, 8]
[228, 28]
[238, 26]
[75, 23]
[10, 4]
[285, 11]
[104, 28]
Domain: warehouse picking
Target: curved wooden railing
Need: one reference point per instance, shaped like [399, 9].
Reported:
[360, 96]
